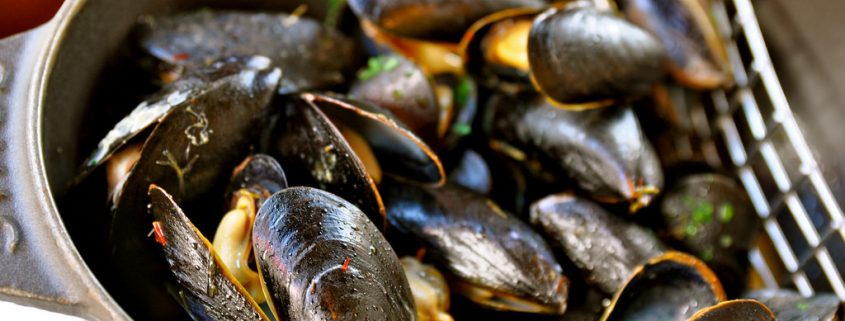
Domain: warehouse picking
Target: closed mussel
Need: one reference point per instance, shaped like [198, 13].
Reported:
[299, 45]
[604, 150]
[582, 57]
[321, 258]
[789, 305]
[735, 310]
[606, 248]
[496, 259]
[672, 287]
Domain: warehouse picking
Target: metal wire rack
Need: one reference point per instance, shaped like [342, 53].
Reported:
[750, 129]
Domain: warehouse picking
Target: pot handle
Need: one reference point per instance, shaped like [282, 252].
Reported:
[39, 265]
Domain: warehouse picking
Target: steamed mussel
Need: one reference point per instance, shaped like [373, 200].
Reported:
[524, 103]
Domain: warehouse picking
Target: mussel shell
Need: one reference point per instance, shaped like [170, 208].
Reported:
[696, 55]
[431, 293]
[583, 55]
[321, 258]
[483, 246]
[432, 19]
[735, 310]
[589, 310]
[791, 306]
[176, 95]
[302, 47]
[490, 74]
[316, 154]
[459, 119]
[398, 150]
[606, 248]
[404, 90]
[259, 174]
[204, 140]
[712, 217]
[473, 173]
[208, 290]
[603, 150]
[672, 287]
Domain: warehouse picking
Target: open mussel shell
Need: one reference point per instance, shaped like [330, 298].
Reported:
[207, 290]
[315, 154]
[697, 57]
[301, 46]
[197, 83]
[398, 150]
[497, 260]
[671, 287]
[432, 19]
[603, 150]
[259, 174]
[399, 85]
[712, 217]
[791, 306]
[735, 310]
[495, 49]
[190, 154]
[322, 259]
[606, 248]
[584, 57]
[431, 293]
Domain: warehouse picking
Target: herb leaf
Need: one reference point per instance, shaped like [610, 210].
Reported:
[377, 65]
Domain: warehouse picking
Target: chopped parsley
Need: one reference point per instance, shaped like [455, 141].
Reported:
[463, 92]
[377, 65]
[333, 12]
[461, 129]
[726, 213]
[802, 306]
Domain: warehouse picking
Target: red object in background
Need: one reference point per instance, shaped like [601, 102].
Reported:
[21, 15]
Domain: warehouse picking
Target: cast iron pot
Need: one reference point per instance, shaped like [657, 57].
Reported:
[52, 83]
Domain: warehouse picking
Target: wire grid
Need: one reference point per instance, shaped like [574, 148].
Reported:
[750, 125]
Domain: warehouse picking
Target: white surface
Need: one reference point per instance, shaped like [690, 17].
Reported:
[13, 312]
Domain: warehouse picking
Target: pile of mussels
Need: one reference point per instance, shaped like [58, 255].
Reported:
[492, 144]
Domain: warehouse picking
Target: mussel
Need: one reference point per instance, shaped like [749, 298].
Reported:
[791, 306]
[473, 173]
[189, 153]
[399, 85]
[671, 287]
[497, 260]
[301, 46]
[712, 217]
[697, 57]
[321, 258]
[431, 293]
[584, 57]
[431, 19]
[606, 248]
[735, 310]
[604, 150]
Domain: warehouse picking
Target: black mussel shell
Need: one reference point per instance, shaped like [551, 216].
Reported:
[399, 85]
[432, 19]
[792, 306]
[712, 217]
[499, 262]
[672, 287]
[735, 310]
[697, 57]
[581, 55]
[208, 291]
[588, 310]
[322, 259]
[473, 173]
[603, 150]
[398, 150]
[606, 248]
[302, 47]
[259, 174]
[190, 153]
[195, 84]
[315, 154]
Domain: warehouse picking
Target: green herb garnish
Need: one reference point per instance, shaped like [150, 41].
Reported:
[397, 94]
[726, 213]
[461, 129]
[377, 65]
[702, 213]
[802, 306]
[706, 254]
[463, 91]
[333, 12]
